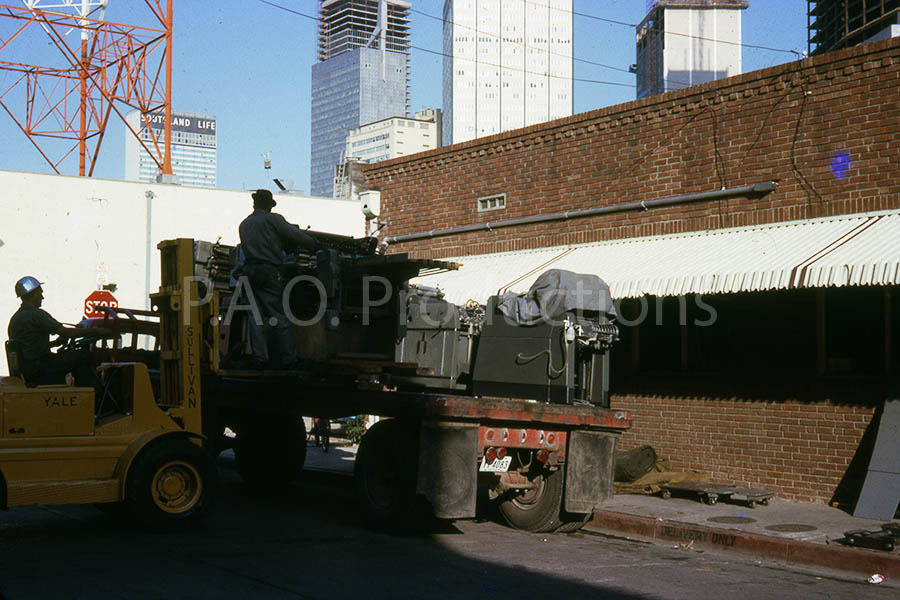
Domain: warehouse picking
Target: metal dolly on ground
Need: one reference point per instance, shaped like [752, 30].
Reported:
[710, 492]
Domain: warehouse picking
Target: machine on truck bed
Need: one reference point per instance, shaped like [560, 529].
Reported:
[511, 396]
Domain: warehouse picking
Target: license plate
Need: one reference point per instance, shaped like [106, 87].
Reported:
[498, 465]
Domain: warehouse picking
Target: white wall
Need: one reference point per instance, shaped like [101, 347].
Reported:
[70, 231]
[691, 55]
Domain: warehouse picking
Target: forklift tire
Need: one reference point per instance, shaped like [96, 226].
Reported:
[171, 485]
[385, 476]
[272, 456]
[539, 510]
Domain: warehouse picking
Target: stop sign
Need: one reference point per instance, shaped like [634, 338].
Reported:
[98, 298]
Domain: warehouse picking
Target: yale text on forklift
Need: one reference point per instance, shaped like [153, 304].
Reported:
[61, 401]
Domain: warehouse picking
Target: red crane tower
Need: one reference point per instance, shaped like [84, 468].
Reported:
[106, 70]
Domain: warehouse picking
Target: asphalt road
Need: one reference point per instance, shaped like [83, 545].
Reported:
[308, 543]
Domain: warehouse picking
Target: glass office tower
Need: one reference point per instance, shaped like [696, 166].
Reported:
[361, 77]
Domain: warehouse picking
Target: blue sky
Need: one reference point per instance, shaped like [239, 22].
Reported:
[249, 63]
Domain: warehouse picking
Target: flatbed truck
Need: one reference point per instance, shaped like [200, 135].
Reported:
[462, 417]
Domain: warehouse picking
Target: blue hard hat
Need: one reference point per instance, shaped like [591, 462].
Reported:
[26, 285]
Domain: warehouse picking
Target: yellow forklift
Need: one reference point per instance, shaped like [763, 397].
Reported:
[131, 443]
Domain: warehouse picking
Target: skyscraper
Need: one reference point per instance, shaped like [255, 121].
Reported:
[361, 77]
[193, 148]
[507, 64]
[681, 43]
[835, 24]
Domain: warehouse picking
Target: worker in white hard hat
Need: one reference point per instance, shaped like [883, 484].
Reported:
[31, 327]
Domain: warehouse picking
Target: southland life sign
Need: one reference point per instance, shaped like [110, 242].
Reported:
[186, 122]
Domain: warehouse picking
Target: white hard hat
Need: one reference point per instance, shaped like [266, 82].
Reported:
[26, 285]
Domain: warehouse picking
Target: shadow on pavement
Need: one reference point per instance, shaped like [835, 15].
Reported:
[306, 542]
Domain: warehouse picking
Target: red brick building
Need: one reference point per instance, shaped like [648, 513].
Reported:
[784, 388]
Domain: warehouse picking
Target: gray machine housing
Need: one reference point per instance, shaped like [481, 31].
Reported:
[546, 362]
[550, 344]
[436, 338]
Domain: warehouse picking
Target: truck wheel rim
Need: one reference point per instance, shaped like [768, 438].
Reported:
[176, 487]
[529, 498]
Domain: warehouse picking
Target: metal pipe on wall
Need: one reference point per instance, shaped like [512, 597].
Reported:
[763, 187]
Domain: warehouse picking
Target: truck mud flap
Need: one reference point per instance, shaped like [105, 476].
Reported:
[589, 470]
[448, 473]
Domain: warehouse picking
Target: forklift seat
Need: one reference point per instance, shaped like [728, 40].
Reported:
[12, 358]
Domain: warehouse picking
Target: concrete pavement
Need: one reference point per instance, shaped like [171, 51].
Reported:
[792, 532]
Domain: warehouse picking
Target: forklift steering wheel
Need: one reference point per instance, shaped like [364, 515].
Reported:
[75, 344]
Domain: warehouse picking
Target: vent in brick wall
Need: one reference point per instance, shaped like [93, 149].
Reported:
[495, 202]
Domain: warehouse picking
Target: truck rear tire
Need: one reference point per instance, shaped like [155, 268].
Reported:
[171, 485]
[271, 456]
[539, 510]
[385, 475]
[572, 522]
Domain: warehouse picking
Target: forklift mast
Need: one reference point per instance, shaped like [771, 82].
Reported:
[186, 341]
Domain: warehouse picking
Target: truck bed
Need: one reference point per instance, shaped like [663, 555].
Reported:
[345, 388]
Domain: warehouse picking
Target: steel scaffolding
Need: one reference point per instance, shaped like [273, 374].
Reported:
[107, 70]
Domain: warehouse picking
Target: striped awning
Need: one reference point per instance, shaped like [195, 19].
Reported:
[850, 250]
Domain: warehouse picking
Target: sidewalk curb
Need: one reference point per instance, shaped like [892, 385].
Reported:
[831, 556]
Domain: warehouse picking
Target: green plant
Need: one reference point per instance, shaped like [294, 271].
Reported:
[355, 428]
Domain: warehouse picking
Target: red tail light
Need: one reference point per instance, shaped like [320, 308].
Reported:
[501, 453]
[490, 454]
[542, 455]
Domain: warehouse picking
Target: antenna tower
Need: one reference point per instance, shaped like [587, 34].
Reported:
[102, 70]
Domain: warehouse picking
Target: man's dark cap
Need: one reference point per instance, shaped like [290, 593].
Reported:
[262, 199]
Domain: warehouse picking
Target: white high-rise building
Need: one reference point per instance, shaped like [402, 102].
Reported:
[396, 136]
[386, 139]
[193, 148]
[507, 64]
[681, 43]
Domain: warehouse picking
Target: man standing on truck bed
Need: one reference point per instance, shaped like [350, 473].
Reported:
[30, 329]
[264, 237]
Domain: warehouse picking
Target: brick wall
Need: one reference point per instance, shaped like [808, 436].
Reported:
[785, 123]
[799, 450]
